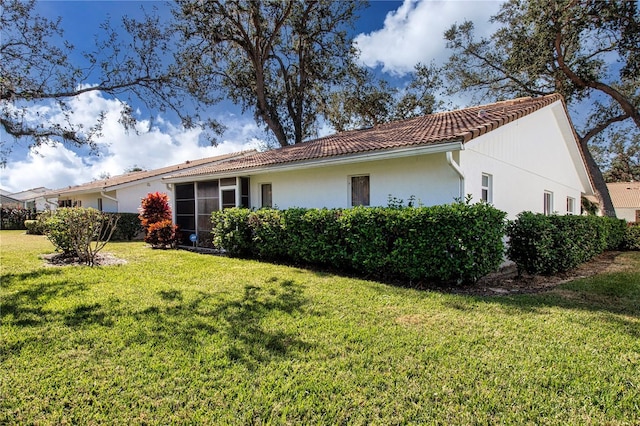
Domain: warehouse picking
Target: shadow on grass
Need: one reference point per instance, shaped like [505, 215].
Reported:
[25, 307]
[242, 325]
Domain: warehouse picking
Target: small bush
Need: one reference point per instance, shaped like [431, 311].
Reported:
[80, 232]
[155, 217]
[154, 208]
[32, 227]
[161, 234]
[56, 229]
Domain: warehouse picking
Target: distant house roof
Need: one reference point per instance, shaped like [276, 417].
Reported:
[133, 177]
[7, 201]
[625, 194]
[435, 129]
[30, 194]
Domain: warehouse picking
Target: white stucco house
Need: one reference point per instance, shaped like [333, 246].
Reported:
[123, 193]
[519, 155]
[626, 200]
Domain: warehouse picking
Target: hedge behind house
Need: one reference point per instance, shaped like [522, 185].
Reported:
[541, 244]
[11, 218]
[453, 243]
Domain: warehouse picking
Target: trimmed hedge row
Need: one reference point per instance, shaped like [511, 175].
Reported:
[14, 218]
[541, 244]
[452, 243]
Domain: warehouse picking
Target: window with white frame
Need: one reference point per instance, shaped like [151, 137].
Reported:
[487, 188]
[360, 195]
[100, 204]
[571, 205]
[548, 202]
[267, 201]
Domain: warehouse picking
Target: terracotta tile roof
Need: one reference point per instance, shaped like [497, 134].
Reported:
[625, 194]
[461, 125]
[104, 184]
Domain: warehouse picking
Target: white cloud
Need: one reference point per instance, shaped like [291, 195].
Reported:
[415, 32]
[155, 145]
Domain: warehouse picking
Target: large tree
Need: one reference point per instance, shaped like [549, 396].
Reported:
[279, 59]
[367, 100]
[587, 50]
[40, 70]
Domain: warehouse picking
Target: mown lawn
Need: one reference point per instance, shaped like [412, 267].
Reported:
[174, 337]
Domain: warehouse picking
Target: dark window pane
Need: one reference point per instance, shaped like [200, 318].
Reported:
[186, 223]
[185, 207]
[360, 191]
[266, 195]
[228, 198]
[184, 191]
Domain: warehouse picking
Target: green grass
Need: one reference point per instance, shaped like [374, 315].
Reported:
[174, 337]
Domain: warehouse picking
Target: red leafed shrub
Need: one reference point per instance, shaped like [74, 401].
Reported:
[161, 234]
[154, 208]
[155, 217]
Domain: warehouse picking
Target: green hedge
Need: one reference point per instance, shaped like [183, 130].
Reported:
[11, 218]
[128, 227]
[632, 237]
[541, 244]
[453, 243]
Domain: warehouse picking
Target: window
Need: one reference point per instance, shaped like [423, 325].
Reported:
[100, 204]
[571, 205]
[548, 202]
[267, 201]
[487, 188]
[244, 192]
[360, 190]
[228, 198]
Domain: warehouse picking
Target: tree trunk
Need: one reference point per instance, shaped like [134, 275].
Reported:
[599, 184]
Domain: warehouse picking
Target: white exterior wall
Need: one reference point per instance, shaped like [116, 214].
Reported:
[526, 158]
[129, 198]
[427, 177]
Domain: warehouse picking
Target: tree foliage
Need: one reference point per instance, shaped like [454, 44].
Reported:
[277, 58]
[40, 70]
[618, 153]
[366, 100]
[587, 50]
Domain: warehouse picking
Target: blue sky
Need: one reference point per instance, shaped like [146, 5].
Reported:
[393, 36]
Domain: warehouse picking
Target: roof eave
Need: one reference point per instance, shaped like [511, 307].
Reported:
[455, 145]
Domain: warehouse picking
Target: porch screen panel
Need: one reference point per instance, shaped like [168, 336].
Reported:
[208, 201]
[185, 210]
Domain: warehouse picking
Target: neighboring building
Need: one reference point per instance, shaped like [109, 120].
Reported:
[626, 200]
[35, 199]
[123, 193]
[8, 202]
[518, 155]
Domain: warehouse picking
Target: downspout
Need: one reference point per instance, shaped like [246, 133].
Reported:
[115, 200]
[52, 204]
[456, 167]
